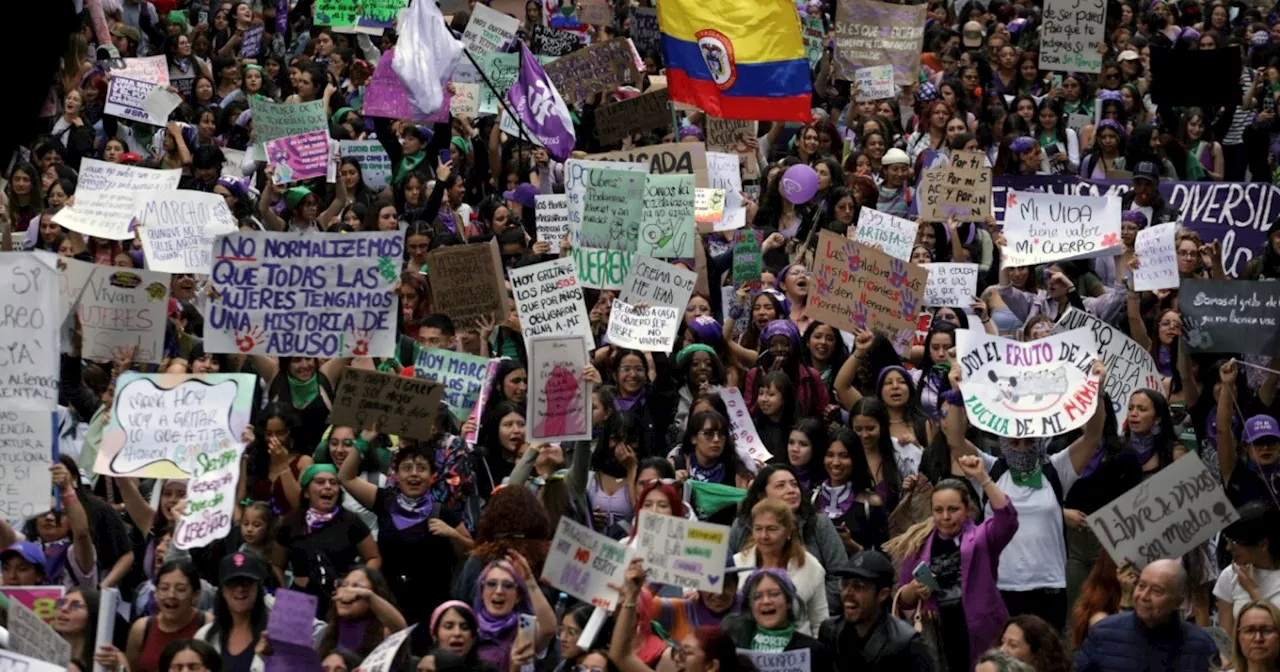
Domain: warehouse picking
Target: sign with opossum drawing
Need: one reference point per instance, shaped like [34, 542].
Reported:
[1036, 389]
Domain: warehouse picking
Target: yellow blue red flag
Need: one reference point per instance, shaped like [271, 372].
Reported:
[737, 59]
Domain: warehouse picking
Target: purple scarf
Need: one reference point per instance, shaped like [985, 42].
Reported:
[55, 560]
[351, 634]
[317, 519]
[834, 502]
[624, 404]
[1144, 444]
[498, 633]
[407, 512]
[1094, 462]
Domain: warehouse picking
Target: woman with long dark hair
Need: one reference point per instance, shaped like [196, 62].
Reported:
[362, 613]
[240, 612]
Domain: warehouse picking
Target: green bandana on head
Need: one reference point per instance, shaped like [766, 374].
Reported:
[463, 146]
[337, 116]
[294, 196]
[311, 472]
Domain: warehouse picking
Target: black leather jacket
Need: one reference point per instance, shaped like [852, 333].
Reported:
[891, 645]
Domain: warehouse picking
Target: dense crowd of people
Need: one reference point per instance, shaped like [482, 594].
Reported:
[886, 533]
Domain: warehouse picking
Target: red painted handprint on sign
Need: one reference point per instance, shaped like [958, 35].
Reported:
[249, 339]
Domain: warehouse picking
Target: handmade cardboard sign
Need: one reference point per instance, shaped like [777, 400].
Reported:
[394, 404]
[684, 553]
[584, 564]
[858, 286]
[467, 284]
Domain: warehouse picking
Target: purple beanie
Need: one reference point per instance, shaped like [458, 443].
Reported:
[782, 327]
[1134, 217]
[707, 330]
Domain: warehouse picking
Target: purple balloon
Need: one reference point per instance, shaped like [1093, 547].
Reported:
[799, 184]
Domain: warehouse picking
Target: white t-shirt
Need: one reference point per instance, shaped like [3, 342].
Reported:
[1229, 590]
[1037, 555]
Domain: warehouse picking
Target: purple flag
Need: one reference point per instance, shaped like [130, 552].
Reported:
[282, 18]
[540, 107]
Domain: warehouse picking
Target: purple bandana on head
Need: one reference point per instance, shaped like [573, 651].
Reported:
[540, 107]
[707, 330]
[781, 327]
[497, 632]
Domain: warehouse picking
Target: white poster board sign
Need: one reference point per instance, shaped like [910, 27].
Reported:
[124, 307]
[105, 197]
[375, 165]
[549, 300]
[1072, 31]
[1037, 389]
[1165, 516]
[1129, 367]
[657, 282]
[211, 499]
[951, 284]
[559, 399]
[1040, 228]
[584, 564]
[745, 437]
[178, 227]
[30, 317]
[25, 482]
[1157, 259]
[650, 330]
[874, 83]
[894, 236]
[489, 30]
[551, 217]
[684, 553]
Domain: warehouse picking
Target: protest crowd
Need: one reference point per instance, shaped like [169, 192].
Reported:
[687, 336]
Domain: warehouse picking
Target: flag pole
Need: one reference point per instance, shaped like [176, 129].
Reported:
[502, 100]
[520, 68]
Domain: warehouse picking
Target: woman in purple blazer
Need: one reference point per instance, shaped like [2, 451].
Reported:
[958, 562]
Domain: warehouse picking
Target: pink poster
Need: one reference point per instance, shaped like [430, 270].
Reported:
[559, 399]
[41, 600]
[477, 411]
[299, 157]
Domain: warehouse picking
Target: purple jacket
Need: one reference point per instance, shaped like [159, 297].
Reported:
[980, 547]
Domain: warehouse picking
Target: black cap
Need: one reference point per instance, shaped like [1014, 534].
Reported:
[242, 565]
[1146, 170]
[871, 565]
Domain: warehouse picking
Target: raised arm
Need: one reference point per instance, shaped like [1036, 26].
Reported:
[1227, 458]
[621, 650]
[1084, 448]
[348, 474]
[846, 392]
[81, 540]
[269, 218]
[135, 504]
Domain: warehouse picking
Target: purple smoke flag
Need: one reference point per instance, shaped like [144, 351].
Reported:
[426, 56]
[540, 108]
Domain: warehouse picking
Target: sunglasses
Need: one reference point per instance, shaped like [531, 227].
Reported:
[73, 605]
[494, 584]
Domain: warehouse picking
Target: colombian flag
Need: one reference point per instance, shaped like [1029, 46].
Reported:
[737, 59]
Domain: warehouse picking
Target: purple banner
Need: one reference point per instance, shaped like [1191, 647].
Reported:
[251, 44]
[282, 18]
[299, 157]
[1236, 213]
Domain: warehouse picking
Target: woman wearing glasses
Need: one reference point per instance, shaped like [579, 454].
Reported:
[76, 619]
[769, 622]
[1257, 638]
[776, 544]
[419, 538]
[506, 590]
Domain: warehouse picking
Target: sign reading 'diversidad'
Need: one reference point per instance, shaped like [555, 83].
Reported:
[1231, 316]
[549, 299]
[466, 283]
[394, 404]
[462, 376]
[1072, 31]
[961, 189]
[584, 564]
[603, 66]
[861, 287]
[211, 499]
[636, 115]
[892, 235]
[951, 284]
[683, 553]
[650, 330]
[122, 308]
[163, 424]
[30, 291]
[305, 295]
[1037, 389]
[669, 159]
[1167, 515]
[105, 195]
[559, 400]
[179, 226]
[1042, 228]
[1157, 257]
[1129, 367]
[878, 33]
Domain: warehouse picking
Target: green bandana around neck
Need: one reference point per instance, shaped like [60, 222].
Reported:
[1032, 479]
[304, 392]
[408, 164]
[772, 641]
